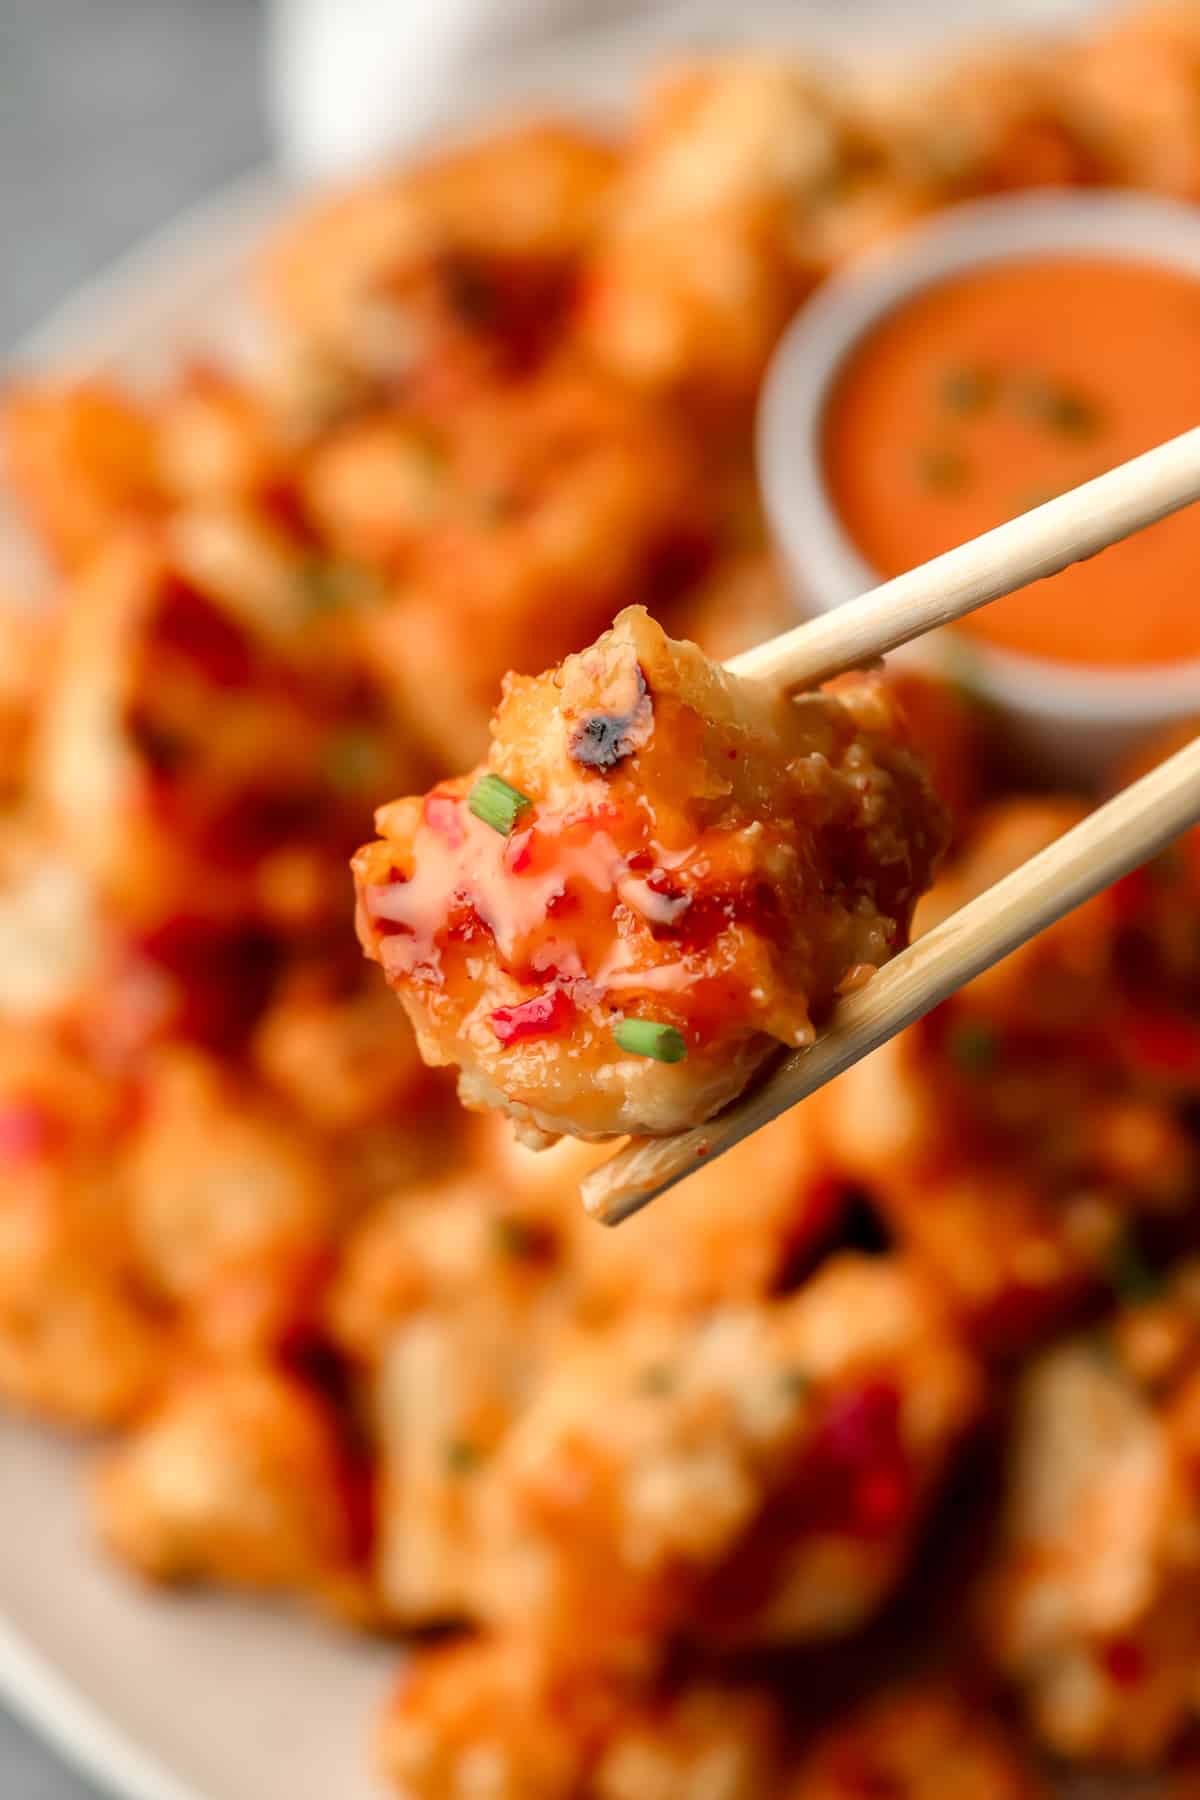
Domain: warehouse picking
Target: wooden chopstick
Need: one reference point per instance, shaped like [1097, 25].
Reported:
[1119, 835]
[1114, 839]
[1050, 537]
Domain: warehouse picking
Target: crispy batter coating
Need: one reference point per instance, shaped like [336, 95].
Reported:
[1136, 74]
[919, 1743]
[238, 1476]
[529, 516]
[490, 1716]
[722, 219]
[78, 1341]
[1001, 1140]
[231, 1208]
[1092, 1606]
[693, 854]
[462, 263]
[80, 459]
[631, 1489]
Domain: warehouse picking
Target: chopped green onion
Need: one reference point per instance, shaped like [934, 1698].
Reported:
[643, 1037]
[1056, 406]
[967, 390]
[943, 468]
[795, 1383]
[327, 585]
[462, 1456]
[1133, 1279]
[354, 759]
[496, 803]
[972, 1046]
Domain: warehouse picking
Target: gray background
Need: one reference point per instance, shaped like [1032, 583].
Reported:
[113, 115]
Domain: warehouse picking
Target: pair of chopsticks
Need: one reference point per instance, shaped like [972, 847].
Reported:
[1111, 841]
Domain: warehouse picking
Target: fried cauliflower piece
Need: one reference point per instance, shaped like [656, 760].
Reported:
[52, 938]
[721, 221]
[547, 507]
[459, 267]
[997, 123]
[484, 1715]
[232, 1206]
[895, 1391]
[706, 1742]
[687, 857]
[218, 439]
[451, 1384]
[78, 1342]
[1092, 1607]
[1002, 1139]
[239, 1477]
[493, 1716]
[181, 763]
[919, 1743]
[81, 459]
[1137, 73]
[318, 1043]
[630, 1490]
[26, 638]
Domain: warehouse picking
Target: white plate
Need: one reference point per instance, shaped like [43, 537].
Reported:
[210, 1698]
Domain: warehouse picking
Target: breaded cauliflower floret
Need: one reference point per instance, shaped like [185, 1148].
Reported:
[683, 874]
[232, 1207]
[630, 1491]
[743, 174]
[494, 1717]
[457, 267]
[1001, 1138]
[921, 1743]
[81, 458]
[78, 1342]
[517, 524]
[487, 1716]
[1093, 1606]
[239, 1476]
[1137, 74]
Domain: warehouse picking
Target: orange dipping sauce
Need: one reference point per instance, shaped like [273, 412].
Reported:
[984, 395]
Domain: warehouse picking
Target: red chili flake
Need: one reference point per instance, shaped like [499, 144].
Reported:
[562, 904]
[442, 814]
[26, 1133]
[1124, 1662]
[518, 851]
[858, 1476]
[1161, 1043]
[547, 1013]
[188, 625]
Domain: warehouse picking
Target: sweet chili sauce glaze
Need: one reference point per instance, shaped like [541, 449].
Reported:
[993, 390]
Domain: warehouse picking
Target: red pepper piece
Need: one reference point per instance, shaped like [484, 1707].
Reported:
[546, 1014]
[442, 815]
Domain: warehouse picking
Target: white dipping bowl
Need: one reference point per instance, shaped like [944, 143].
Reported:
[1072, 721]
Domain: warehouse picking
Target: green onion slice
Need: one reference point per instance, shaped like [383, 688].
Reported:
[644, 1037]
[973, 1046]
[497, 804]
